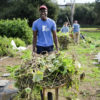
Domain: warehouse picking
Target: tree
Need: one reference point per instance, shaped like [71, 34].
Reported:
[84, 13]
[27, 9]
[63, 15]
[97, 11]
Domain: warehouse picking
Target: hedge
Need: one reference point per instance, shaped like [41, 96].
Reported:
[6, 48]
[16, 28]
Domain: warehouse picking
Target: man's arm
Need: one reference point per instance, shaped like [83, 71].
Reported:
[34, 40]
[55, 40]
[61, 29]
[72, 29]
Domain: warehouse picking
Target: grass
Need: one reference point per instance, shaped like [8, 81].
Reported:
[69, 94]
[90, 26]
[83, 53]
[94, 35]
[27, 54]
[95, 73]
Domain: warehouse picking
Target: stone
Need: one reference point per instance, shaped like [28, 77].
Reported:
[6, 75]
[3, 82]
[7, 90]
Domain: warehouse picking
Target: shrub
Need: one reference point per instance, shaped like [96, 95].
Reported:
[19, 42]
[16, 28]
[5, 47]
[27, 55]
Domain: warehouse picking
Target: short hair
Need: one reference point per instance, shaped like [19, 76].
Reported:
[65, 22]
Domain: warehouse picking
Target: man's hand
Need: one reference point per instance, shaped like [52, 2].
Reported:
[57, 49]
[33, 53]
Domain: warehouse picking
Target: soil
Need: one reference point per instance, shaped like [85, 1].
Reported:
[10, 61]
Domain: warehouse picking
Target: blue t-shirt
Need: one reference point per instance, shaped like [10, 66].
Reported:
[65, 29]
[76, 27]
[44, 31]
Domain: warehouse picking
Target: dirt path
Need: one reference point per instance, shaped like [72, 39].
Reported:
[10, 61]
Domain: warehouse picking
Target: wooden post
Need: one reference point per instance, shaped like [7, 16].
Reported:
[72, 11]
[43, 93]
[56, 94]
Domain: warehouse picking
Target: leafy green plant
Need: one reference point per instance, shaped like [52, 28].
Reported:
[38, 76]
[6, 47]
[28, 90]
[63, 40]
[26, 55]
[12, 69]
[48, 70]
[16, 28]
[19, 42]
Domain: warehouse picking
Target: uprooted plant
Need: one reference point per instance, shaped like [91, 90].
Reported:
[49, 70]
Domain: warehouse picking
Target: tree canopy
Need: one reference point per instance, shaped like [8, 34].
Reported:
[26, 9]
[97, 11]
[85, 13]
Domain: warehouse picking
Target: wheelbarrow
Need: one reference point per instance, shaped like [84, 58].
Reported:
[51, 93]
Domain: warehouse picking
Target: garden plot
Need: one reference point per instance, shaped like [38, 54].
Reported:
[89, 88]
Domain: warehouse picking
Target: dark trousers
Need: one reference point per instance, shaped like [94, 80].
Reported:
[44, 50]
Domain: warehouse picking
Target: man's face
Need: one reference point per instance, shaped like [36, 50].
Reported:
[76, 21]
[43, 14]
[65, 24]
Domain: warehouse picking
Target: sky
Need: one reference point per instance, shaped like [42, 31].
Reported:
[77, 1]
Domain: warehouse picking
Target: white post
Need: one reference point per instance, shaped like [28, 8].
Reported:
[72, 10]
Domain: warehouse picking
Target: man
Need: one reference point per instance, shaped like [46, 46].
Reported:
[44, 32]
[65, 28]
[76, 31]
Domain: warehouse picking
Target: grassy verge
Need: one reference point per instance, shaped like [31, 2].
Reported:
[84, 54]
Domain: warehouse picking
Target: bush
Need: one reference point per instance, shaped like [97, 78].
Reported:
[5, 47]
[63, 40]
[16, 28]
[19, 42]
[27, 55]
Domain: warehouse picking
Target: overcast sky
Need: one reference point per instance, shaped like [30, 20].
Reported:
[77, 1]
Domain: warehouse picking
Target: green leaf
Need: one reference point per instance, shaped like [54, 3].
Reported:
[38, 76]
[28, 90]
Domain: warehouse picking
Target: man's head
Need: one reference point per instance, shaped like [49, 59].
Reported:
[65, 23]
[76, 21]
[43, 12]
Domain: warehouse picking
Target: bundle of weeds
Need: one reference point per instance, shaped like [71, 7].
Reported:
[63, 40]
[49, 70]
